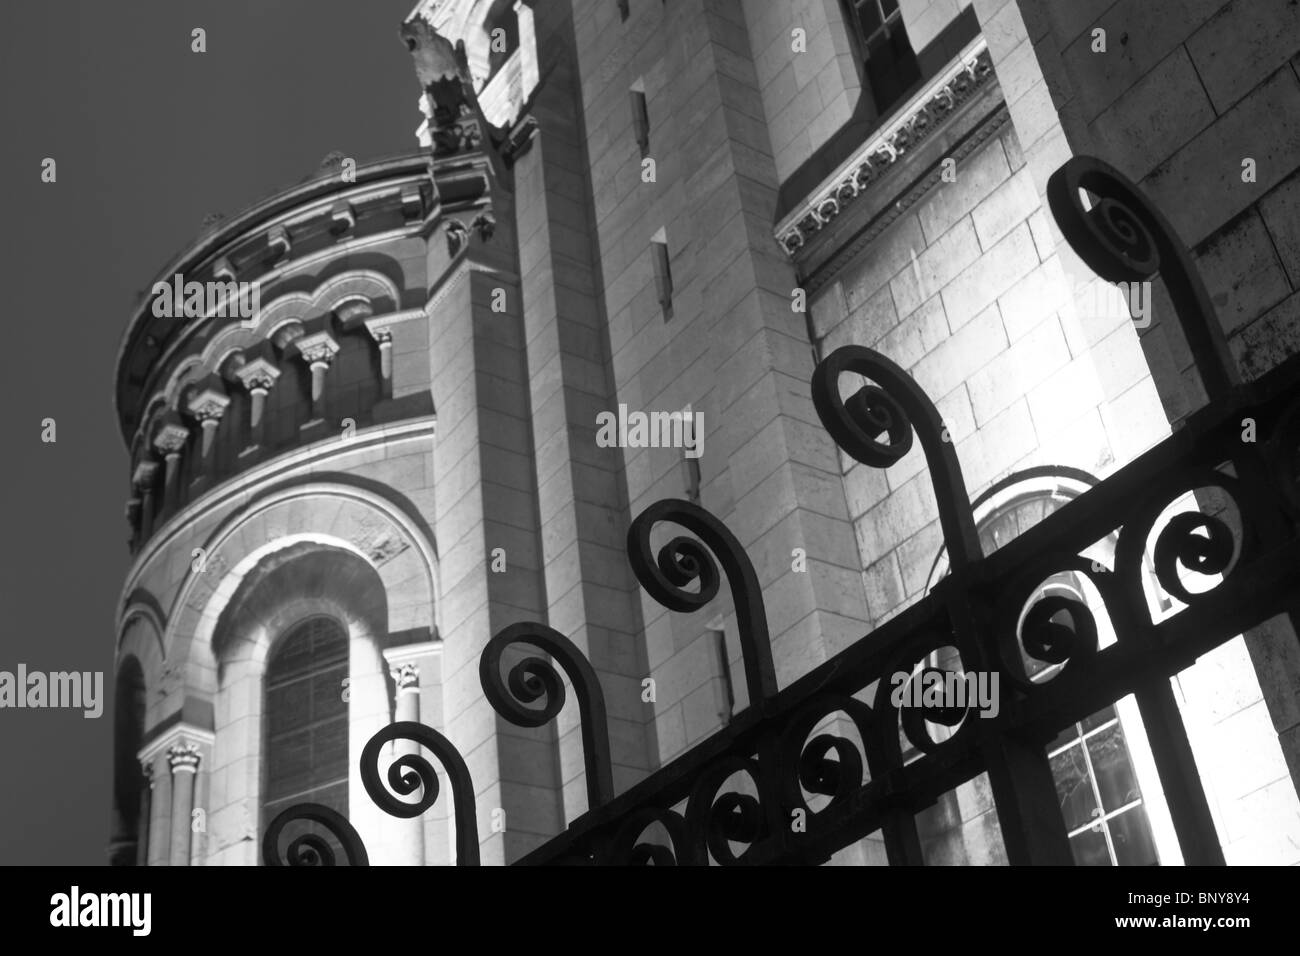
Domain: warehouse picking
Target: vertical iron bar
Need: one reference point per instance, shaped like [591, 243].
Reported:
[1179, 778]
[1024, 793]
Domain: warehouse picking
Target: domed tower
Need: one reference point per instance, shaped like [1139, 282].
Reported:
[332, 478]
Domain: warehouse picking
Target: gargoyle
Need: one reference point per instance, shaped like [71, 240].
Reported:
[443, 70]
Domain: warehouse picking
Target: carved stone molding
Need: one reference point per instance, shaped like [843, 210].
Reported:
[955, 86]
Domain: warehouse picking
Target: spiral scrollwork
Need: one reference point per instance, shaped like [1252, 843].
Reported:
[828, 764]
[312, 849]
[683, 561]
[535, 679]
[1056, 628]
[410, 772]
[1180, 543]
[1193, 541]
[1050, 640]
[629, 849]
[896, 407]
[715, 821]
[1123, 237]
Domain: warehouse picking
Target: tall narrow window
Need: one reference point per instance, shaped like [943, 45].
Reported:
[306, 719]
[663, 273]
[640, 117]
[691, 472]
[887, 56]
[727, 698]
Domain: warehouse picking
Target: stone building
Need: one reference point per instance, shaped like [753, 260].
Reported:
[666, 206]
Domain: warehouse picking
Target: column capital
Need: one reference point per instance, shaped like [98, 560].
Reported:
[257, 373]
[183, 757]
[406, 676]
[171, 438]
[410, 653]
[144, 474]
[178, 735]
[319, 347]
[208, 405]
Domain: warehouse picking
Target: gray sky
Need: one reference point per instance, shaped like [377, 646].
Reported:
[149, 138]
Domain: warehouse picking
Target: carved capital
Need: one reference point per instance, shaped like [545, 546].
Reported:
[208, 405]
[171, 439]
[183, 758]
[406, 676]
[319, 347]
[257, 374]
[145, 474]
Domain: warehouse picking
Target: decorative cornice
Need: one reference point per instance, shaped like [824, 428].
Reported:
[850, 251]
[915, 122]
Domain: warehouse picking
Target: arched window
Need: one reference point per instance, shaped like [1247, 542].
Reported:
[305, 752]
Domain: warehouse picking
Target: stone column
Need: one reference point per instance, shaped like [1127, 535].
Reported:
[146, 473]
[207, 407]
[184, 762]
[318, 351]
[384, 337]
[405, 670]
[258, 377]
[170, 442]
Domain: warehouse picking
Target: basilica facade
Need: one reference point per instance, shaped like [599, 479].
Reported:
[343, 484]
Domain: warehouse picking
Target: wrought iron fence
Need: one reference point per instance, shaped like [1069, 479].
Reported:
[1247, 551]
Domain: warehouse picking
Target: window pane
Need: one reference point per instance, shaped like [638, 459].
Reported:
[891, 7]
[1073, 788]
[868, 17]
[1130, 832]
[1110, 762]
[306, 719]
[1090, 848]
[1099, 718]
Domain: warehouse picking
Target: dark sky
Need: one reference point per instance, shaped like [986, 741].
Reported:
[149, 138]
